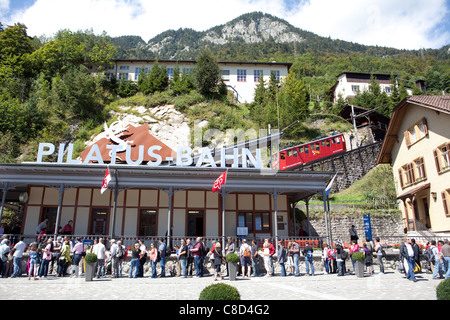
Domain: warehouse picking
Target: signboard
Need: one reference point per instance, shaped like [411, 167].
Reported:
[242, 231]
[367, 226]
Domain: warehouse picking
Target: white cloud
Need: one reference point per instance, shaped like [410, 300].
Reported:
[384, 22]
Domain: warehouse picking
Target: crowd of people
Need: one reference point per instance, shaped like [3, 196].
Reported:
[255, 259]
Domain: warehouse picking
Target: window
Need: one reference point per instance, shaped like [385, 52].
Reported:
[276, 73]
[138, 72]
[355, 89]
[442, 157]
[123, 76]
[258, 75]
[306, 149]
[446, 201]
[412, 173]
[417, 132]
[147, 223]
[124, 68]
[225, 75]
[254, 221]
[388, 90]
[169, 73]
[242, 75]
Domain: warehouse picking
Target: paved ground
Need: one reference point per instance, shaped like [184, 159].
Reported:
[389, 286]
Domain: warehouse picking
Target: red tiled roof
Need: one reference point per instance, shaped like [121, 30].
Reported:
[435, 102]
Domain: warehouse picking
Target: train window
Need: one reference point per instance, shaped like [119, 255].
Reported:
[323, 143]
[338, 140]
[300, 150]
[282, 156]
[333, 140]
[318, 146]
[289, 153]
[295, 153]
[328, 142]
[306, 149]
[313, 147]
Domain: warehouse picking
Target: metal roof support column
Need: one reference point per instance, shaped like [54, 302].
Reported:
[326, 214]
[5, 190]
[275, 214]
[169, 218]
[116, 194]
[223, 218]
[58, 214]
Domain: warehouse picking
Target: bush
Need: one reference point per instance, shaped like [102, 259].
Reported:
[232, 258]
[358, 256]
[90, 258]
[220, 291]
[443, 290]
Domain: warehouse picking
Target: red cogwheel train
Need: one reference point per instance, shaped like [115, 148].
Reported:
[311, 151]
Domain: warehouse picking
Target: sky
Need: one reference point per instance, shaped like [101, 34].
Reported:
[402, 24]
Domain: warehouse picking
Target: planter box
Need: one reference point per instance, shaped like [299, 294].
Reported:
[90, 271]
[232, 269]
[359, 268]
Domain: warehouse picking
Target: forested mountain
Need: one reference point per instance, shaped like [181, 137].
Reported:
[316, 60]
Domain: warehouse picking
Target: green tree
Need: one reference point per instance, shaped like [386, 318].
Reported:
[154, 81]
[206, 76]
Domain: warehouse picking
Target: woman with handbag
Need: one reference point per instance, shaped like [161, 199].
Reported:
[218, 260]
[64, 258]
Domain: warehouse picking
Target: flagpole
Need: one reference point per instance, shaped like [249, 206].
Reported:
[116, 193]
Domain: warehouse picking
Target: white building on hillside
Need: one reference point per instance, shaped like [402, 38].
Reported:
[348, 84]
[240, 77]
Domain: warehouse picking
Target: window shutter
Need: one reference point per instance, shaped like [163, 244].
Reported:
[425, 125]
[444, 201]
[436, 160]
[407, 138]
[422, 164]
[400, 175]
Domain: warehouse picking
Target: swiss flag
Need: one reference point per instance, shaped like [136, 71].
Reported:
[219, 182]
[106, 181]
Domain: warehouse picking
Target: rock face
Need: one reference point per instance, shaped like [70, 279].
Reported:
[165, 123]
[256, 31]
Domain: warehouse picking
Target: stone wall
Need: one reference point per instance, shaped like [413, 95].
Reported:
[352, 165]
[386, 223]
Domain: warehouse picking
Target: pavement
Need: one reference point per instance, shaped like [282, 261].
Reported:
[389, 286]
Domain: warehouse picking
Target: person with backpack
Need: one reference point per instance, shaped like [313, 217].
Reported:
[380, 254]
[121, 254]
[162, 254]
[114, 253]
[341, 256]
[308, 253]
[245, 255]
[282, 257]
[438, 265]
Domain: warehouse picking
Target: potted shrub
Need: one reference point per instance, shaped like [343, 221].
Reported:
[443, 290]
[359, 258]
[219, 291]
[232, 260]
[89, 261]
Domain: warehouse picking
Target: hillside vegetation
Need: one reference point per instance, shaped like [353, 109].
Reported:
[48, 94]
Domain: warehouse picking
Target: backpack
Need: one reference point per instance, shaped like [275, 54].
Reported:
[309, 254]
[168, 251]
[204, 250]
[247, 253]
[429, 255]
[120, 253]
[344, 255]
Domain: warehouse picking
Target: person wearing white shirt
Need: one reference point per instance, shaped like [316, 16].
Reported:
[114, 259]
[18, 254]
[100, 250]
[407, 254]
